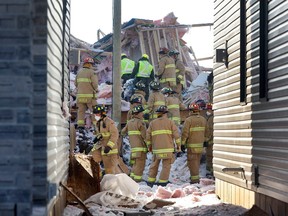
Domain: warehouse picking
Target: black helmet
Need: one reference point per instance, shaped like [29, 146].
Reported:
[155, 85]
[174, 52]
[99, 109]
[136, 99]
[167, 90]
[140, 85]
[162, 109]
[201, 103]
[137, 109]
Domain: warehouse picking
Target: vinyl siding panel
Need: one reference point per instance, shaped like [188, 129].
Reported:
[57, 76]
[255, 134]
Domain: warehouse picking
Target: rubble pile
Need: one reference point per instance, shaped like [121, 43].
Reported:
[170, 33]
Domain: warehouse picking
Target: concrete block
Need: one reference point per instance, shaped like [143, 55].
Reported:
[18, 8]
[6, 116]
[23, 116]
[23, 22]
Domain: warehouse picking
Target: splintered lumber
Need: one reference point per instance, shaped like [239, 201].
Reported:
[83, 177]
[81, 203]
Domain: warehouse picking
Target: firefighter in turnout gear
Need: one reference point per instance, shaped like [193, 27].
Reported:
[193, 136]
[156, 99]
[174, 105]
[143, 71]
[135, 101]
[209, 148]
[136, 130]
[180, 73]
[140, 92]
[166, 71]
[127, 66]
[108, 140]
[86, 83]
[160, 137]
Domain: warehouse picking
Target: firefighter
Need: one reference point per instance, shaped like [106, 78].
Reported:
[127, 66]
[156, 98]
[143, 71]
[160, 137]
[135, 101]
[180, 73]
[209, 147]
[136, 129]
[140, 92]
[193, 136]
[174, 105]
[107, 135]
[166, 72]
[86, 83]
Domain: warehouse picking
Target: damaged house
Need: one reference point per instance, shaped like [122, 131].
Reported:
[141, 36]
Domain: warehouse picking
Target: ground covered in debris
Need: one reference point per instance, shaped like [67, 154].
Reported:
[179, 197]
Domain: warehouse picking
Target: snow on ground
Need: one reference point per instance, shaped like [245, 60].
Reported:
[189, 199]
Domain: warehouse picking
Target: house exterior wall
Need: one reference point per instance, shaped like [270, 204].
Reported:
[34, 135]
[250, 99]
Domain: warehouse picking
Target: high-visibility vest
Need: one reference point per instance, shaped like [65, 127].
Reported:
[127, 66]
[145, 69]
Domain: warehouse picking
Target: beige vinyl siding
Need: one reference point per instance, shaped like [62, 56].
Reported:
[57, 126]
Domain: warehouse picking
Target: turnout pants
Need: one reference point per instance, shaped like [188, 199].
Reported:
[165, 172]
[138, 167]
[193, 163]
[82, 107]
[111, 164]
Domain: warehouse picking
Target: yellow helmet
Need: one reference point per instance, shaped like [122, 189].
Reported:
[145, 56]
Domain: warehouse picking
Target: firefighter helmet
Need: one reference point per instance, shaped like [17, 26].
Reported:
[137, 109]
[201, 103]
[99, 109]
[162, 109]
[194, 107]
[140, 85]
[136, 100]
[145, 56]
[123, 55]
[88, 60]
[174, 52]
[209, 106]
[166, 90]
[155, 85]
[163, 50]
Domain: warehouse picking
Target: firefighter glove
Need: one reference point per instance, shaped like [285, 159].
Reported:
[97, 138]
[183, 148]
[107, 149]
[146, 116]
